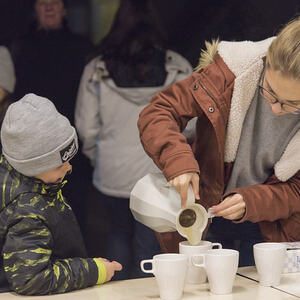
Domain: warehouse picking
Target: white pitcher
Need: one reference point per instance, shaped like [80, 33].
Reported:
[156, 204]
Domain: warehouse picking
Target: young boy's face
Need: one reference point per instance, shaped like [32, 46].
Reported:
[55, 175]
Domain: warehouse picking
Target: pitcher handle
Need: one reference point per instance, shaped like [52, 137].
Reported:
[190, 194]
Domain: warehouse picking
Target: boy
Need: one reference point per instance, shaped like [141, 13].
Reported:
[40, 241]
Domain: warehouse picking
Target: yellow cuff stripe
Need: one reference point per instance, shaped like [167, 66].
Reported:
[101, 270]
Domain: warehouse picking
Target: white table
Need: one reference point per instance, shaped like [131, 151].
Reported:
[290, 282]
[146, 289]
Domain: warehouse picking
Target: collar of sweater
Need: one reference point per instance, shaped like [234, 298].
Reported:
[245, 60]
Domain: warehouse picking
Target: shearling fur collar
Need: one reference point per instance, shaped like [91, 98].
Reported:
[245, 60]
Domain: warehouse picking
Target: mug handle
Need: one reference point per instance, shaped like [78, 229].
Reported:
[198, 255]
[218, 245]
[149, 261]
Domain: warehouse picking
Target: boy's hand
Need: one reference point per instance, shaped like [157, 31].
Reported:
[232, 208]
[111, 267]
[181, 184]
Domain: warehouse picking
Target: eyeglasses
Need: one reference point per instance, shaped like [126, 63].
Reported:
[271, 98]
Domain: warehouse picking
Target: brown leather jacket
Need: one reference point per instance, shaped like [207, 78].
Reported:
[207, 94]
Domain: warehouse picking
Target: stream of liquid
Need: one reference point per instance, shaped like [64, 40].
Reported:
[193, 235]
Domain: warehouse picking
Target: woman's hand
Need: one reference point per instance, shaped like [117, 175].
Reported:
[232, 207]
[181, 184]
[111, 267]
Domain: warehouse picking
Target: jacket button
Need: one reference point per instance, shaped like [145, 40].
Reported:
[211, 109]
[195, 87]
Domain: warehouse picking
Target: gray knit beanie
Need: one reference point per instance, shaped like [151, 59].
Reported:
[35, 137]
[7, 71]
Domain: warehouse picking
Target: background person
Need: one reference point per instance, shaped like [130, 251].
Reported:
[49, 61]
[131, 66]
[7, 81]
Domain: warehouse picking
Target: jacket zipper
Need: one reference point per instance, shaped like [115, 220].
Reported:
[215, 101]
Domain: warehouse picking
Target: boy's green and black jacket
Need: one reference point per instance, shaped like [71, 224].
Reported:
[42, 250]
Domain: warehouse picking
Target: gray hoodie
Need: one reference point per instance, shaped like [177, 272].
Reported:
[106, 119]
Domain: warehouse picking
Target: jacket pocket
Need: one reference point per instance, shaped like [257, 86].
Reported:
[291, 228]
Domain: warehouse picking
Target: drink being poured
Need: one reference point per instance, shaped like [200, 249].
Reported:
[191, 226]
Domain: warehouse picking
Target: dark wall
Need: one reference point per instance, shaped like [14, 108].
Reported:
[14, 16]
[189, 22]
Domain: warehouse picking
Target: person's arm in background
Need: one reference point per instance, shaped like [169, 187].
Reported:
[87, 115]
[32, 270]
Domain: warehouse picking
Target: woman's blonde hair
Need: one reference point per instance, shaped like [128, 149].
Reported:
[284, 52]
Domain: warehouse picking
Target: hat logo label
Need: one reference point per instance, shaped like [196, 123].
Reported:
[68, 152]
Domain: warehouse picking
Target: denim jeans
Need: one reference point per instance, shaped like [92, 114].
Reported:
[238, 236]
[129, 241]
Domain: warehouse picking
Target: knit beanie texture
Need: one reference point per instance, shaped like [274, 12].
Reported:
[7, 71]
[35, 137]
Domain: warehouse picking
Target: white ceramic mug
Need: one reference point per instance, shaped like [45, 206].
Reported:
[269, 260]
[221, 267]
[169, 270]
[196, 274]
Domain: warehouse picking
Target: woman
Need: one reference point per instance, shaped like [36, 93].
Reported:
[131, 66]
[245, 164]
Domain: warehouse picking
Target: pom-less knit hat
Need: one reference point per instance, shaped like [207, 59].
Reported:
[7, 71]
[35, 137]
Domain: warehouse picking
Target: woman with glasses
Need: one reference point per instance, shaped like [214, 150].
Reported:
[245, 161]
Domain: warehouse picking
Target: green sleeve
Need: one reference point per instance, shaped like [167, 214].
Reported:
[32, 270]
[101, 271]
